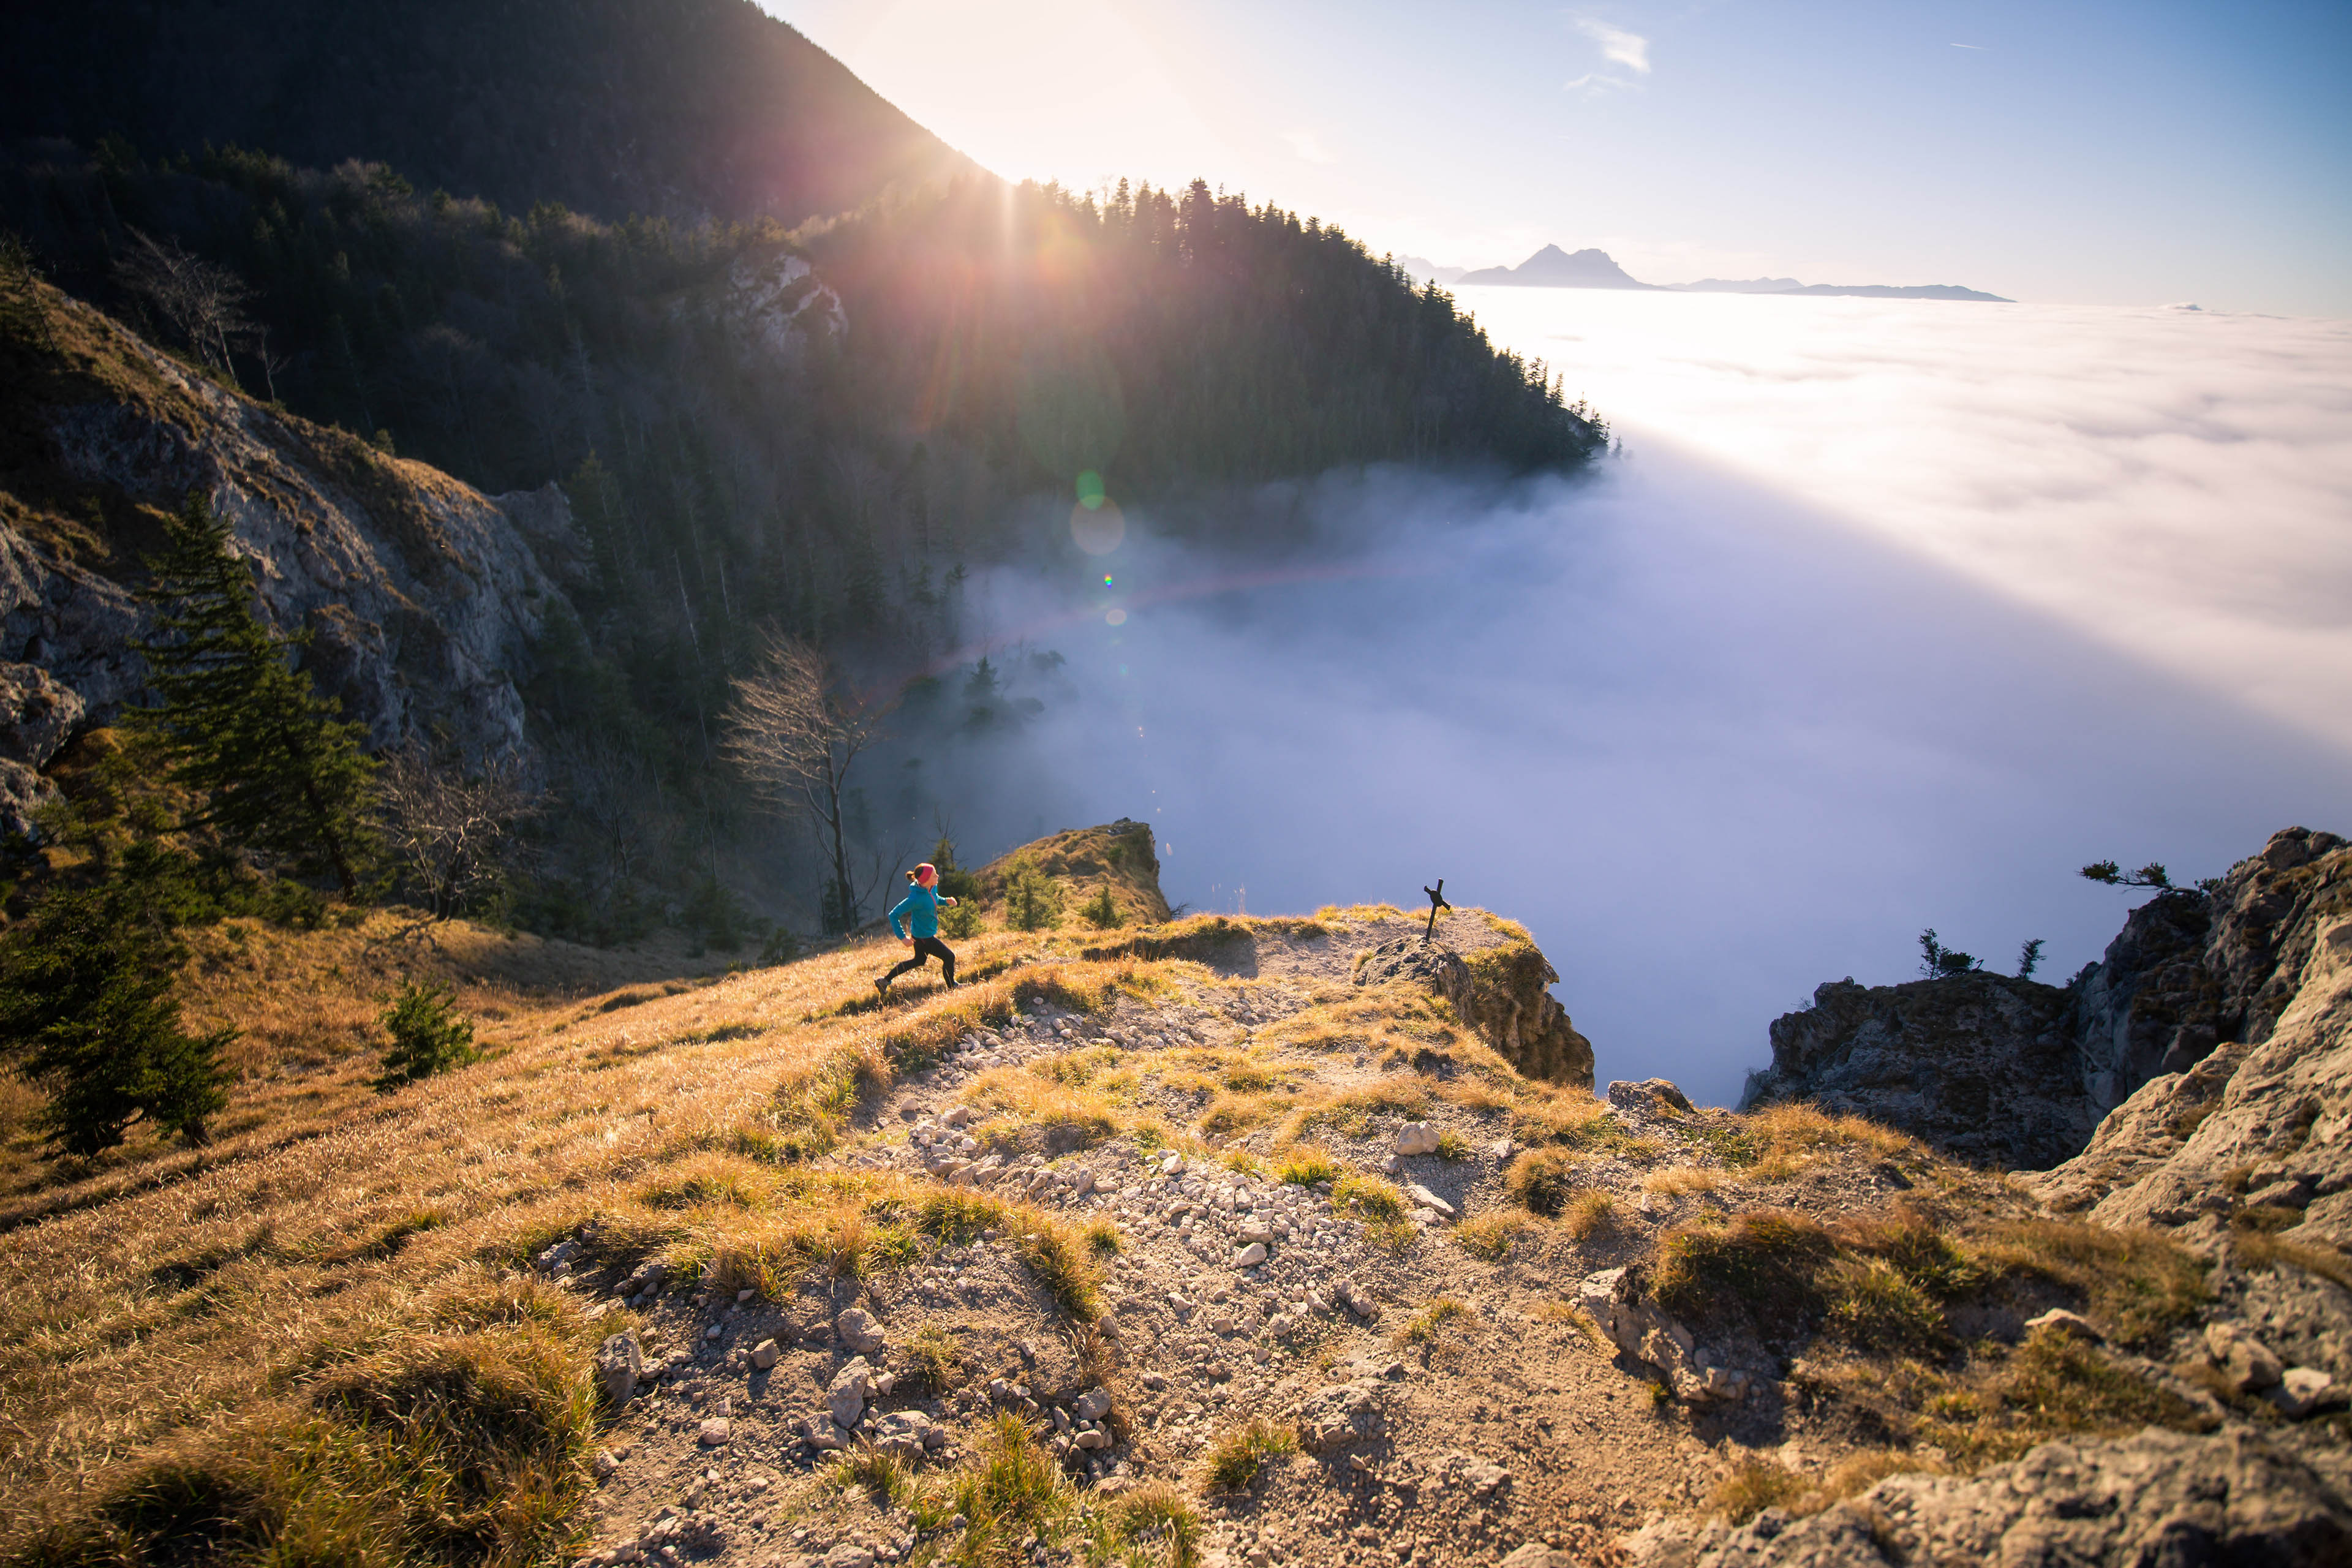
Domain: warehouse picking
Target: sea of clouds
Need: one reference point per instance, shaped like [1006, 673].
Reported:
[1891, 616]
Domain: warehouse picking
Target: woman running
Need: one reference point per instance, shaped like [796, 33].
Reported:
[920, 910]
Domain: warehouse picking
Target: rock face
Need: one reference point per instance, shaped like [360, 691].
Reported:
[2263, 1126]
[2009, 1072]
[1981, 1065]
[1503, 993]
[421, 597]
[2159, 1498]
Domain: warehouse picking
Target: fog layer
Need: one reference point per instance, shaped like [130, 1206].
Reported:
[1713, 739]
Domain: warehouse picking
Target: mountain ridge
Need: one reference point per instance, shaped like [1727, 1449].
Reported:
[687, 109]
[1552, 267]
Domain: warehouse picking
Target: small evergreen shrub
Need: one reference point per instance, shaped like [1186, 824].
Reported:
[1033, 900]
[1100, 912]
[88, 1014]
[428, 1036]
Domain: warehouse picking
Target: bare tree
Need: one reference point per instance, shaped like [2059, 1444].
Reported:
[608, 788]
[449, 828]
[199, 299]
[796, 733]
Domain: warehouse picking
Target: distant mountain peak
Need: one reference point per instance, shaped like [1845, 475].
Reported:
[1552, 267]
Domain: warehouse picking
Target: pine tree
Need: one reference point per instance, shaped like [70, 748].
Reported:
[239, 724]
[87, 1014]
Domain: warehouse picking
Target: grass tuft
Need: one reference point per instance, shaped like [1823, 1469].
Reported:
[1542, 1179]
[1235, 1460]
[1306, 1167]
[1492, 1235]
[1425, 1326]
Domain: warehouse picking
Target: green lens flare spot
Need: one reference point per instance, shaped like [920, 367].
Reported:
[1090, 490]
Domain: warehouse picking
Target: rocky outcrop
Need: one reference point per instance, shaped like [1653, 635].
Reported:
[2263, 1126]
[1983, 1066]
[2157, 1497]
[1502, 991]
[420, 598]
[1116, 856]
[2008, 1072]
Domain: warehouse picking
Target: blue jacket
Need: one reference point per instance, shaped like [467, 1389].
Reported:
[921, 909]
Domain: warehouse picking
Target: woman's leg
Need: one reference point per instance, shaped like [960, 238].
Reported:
[944, 953]
[916, 961]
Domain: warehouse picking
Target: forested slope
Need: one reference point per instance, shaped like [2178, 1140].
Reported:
[684, 108]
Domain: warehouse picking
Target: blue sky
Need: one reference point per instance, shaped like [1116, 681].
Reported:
[2071, 153]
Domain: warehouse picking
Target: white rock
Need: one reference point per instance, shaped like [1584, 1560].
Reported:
[1416, 1138]
[765, 1353]
[1428, 1199]
[2302, 1390]
[1250, 1256]
[714, 1433]
[2073, 1324]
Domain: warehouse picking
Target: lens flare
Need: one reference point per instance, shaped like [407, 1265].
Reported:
[1116, 617]
[1090, 490]
[1097, 529]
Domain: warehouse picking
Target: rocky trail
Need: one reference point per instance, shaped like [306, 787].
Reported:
[1403, 1391]
[1443, 1436]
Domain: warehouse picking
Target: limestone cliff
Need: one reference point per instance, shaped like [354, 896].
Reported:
[1501, 990]
[1979, 1065]
[2008, 1072]
[2263, 1123]
[421, 597]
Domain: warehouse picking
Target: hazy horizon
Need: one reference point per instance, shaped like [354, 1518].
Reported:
[2088, 151]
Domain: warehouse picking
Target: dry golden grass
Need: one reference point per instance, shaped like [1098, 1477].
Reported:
[1675, 1180]
[1778, 1141]
[159, 1294]
[306, 1005]
[1492, 1235]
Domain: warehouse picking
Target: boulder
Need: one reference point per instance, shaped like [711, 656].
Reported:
[1650, 1334]
[861, 1333]
[2103, 1081]
[845, 1395]
[38, 713]
[1416, 1138]
[1652, 1099]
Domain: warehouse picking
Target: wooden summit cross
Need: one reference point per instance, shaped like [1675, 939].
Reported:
[1436, 902]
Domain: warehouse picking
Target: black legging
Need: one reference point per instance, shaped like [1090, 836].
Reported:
[926, 947]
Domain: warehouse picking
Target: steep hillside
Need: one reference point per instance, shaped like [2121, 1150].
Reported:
[682, 107]
[1171, 1244]
[421, 598]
